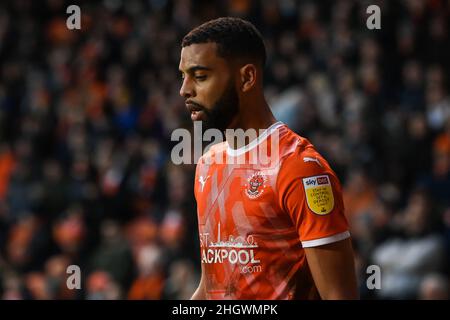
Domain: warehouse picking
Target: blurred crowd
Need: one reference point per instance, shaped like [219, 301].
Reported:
[86, 118]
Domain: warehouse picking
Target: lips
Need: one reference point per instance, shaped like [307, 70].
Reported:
[193, 107]
[195, 110]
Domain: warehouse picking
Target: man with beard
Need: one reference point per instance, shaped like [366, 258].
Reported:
[267, 231]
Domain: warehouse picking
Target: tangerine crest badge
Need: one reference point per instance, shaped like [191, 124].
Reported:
[256, 185]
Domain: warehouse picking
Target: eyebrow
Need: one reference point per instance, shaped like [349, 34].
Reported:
[196, 68]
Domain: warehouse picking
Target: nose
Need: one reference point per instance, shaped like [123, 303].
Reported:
[186, 90]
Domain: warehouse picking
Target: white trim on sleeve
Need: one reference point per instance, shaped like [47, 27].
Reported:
[327, 240]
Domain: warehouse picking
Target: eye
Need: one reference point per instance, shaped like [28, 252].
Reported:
[200, 78]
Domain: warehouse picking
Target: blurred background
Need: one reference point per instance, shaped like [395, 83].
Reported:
[86, 117]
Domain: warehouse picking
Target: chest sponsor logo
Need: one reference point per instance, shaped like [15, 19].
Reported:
[319, 194]
[238, 251]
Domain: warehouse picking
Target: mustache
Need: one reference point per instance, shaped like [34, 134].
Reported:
[197, 106]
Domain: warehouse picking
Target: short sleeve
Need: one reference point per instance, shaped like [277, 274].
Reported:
[310, 192]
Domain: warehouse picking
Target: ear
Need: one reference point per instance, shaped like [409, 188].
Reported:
[248, 77]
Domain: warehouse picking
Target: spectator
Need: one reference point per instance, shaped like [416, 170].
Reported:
[407, 259]
[434, 287]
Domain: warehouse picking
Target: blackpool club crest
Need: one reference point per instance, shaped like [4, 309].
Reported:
[256, 185]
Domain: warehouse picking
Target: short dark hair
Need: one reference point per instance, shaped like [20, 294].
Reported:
[235, 38]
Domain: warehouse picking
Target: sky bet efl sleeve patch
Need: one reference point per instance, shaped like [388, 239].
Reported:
[319, 195]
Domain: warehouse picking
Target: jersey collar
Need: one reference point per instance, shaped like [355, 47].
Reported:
[240, 151]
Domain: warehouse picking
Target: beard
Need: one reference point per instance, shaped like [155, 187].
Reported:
[223, 111]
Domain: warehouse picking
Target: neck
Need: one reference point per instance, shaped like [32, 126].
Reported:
[256, 115]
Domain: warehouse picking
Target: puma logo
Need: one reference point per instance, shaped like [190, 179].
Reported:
[308, 159]
[202, 181]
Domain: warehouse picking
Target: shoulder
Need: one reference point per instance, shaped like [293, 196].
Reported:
[300, 157]
[304, 166]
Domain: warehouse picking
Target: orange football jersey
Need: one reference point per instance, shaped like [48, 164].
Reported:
[255, 217]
